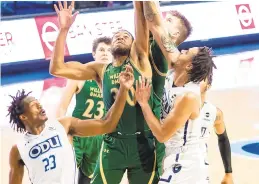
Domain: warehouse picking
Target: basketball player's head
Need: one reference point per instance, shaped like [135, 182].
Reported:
[178, 26]
[101, 49]
[26, 112]
[197, 63]
[121, 43]
[205, 85]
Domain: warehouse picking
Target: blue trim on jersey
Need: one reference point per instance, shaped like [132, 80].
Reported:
[177, 157]
[185, 132]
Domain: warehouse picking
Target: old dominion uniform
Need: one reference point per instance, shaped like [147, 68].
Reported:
[49, 157]
[159, 69]
[208, 117]
[184, 161]
[89, 105]
[131, 145]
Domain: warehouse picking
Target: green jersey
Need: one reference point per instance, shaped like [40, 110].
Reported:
[159, 67]
[132, 119]
[89, 105]
[89, 102]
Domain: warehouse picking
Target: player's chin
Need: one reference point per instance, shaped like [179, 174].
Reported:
[44, 117]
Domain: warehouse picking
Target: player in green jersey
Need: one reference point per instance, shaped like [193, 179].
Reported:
[89, 105]
[131, 146]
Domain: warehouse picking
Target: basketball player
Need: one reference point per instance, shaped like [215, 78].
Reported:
[179, 28]
[45, 149]
[131, 146]
[180, 124]
[213, 117]
[89, 105]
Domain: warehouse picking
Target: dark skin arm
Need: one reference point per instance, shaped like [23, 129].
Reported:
[219, 127]
[186, 107]
[72, 69]
[16, 166]
[140, 46]
[90, 127]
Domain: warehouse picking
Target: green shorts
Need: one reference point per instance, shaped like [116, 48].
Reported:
[136, 153]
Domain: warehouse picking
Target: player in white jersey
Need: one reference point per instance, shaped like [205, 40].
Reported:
[211, 116]
[180, 125]
[45, 149]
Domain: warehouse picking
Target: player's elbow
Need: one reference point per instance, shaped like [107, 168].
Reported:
[108, 126]
[55, 69]
[161, 137]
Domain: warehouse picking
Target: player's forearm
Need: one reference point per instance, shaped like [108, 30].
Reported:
[15, 178]
[152, 14]
[57, 60]
[225, 151]
[161, 35]
[114, 114]
[153, 122]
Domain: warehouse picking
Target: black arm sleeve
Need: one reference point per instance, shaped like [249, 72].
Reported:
[225, 151]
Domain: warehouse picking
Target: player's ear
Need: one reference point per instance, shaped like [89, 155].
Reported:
[93, 54]
[23, 117]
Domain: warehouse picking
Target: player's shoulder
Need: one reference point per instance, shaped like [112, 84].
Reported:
[14, 152]
[189, 98]
[219, 113]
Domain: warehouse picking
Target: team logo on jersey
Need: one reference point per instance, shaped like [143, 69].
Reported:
[177, 168]
[44, 147]
[207, 114]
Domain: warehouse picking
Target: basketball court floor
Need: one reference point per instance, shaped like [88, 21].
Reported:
[236, 93]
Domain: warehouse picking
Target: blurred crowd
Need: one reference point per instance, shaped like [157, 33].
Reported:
[9, 8]
[12, 8]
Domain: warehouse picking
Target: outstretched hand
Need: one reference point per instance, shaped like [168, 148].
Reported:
[127, 78]
[65, 16]
[143, 90]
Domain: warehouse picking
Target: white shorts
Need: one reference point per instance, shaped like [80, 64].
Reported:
[183, 168]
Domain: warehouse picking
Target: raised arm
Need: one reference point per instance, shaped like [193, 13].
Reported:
[140, 46]
[182, 111]
[91, 127]
[161, 35]
[16, 166]
[66, 98]
[224, 146]
[71, 70]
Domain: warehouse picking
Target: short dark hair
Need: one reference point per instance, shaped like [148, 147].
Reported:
[185, 22]
[202, 66]
[16, 109]
[103, 39]
[121, 30]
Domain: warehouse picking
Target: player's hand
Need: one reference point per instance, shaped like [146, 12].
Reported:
[143, 90]
[65, 16]
[228, 179]
[127, 78]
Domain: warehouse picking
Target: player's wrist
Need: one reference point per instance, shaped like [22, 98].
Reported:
[144, 105]
[63, 30]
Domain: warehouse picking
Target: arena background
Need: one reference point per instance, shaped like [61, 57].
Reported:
[230, 28]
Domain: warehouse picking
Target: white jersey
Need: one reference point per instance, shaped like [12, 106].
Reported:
[183, 162]
[208, 116]
[49, 156]
[189, 134]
